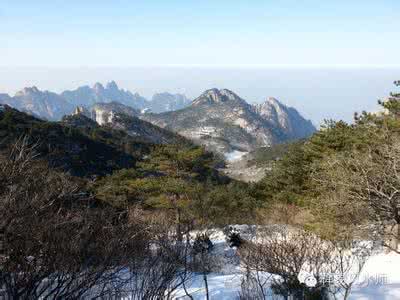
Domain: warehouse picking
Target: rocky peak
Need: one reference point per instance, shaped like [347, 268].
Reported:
[287, 118]
[270, 108]
[116, 108]
[81, 110]
[112, 86]
[273, 101]
[217, 96]
[4, 97]
[79, 119]
[225, 123]
[28, 91]
[98, 87]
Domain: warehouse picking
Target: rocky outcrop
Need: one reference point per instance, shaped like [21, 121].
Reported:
[88, 96]
[224, 122]
[286, 118]
[44, 104]
[117, 116]
[51, 106]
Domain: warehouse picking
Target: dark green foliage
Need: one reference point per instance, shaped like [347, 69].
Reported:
[232, 203]
[297, 178]
[64, 147]
[286, 181]
[233, 237]
[178, 178]
[289, 180]
[266, 156]
[202, 244]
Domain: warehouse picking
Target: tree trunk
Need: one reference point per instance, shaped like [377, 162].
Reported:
[346, 293]
[397, 237]
[178, 226]
[206, 285]
[394, 239]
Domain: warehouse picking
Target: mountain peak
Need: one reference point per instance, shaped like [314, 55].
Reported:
[285, 117]
[216, 96]
[223, 122]
[28, 91]
[112, 85]
[98, 87]
[273, 100]
[270, 104]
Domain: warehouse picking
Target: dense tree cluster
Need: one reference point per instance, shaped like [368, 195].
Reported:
[344, 177]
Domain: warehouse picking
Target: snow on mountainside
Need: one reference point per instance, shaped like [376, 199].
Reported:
[224, 122]
[121, 117]
[102, 112]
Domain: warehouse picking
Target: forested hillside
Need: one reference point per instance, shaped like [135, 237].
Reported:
[91, 211]
[345, 176]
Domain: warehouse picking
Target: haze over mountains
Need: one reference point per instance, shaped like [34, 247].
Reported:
[218, 119]
[52, 106]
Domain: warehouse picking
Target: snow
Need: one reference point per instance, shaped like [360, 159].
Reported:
[381, 265]
[234, 155]
[226, 284]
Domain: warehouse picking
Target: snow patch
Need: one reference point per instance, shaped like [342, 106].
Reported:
[234, 155]
[226, 285]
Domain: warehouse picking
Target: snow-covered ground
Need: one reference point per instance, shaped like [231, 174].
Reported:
[380, 278]
[234, 155]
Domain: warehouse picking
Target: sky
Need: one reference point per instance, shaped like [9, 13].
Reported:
[191, 32]
[326, 58]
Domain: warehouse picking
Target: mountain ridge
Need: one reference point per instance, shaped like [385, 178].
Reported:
[52, 106]
[224, 122]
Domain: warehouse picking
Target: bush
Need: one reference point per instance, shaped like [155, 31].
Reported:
[202, 244]
[233, 237]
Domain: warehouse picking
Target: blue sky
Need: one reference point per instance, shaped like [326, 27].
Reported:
[199, 33]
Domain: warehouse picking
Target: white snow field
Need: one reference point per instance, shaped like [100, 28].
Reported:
[234, 155]
[379, 280]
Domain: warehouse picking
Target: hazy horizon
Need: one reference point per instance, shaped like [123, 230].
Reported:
[328, 93]
[328, 59]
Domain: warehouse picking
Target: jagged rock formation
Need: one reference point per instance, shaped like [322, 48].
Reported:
[286, 118]
[4, 98]
[117, 116]
[88, 96]
[225, 123]
[44, 104]
[51, 106]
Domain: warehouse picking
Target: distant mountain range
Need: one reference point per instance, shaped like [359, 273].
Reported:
[227, 124]
[42, 104]
[220, 120]
[52, 106]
